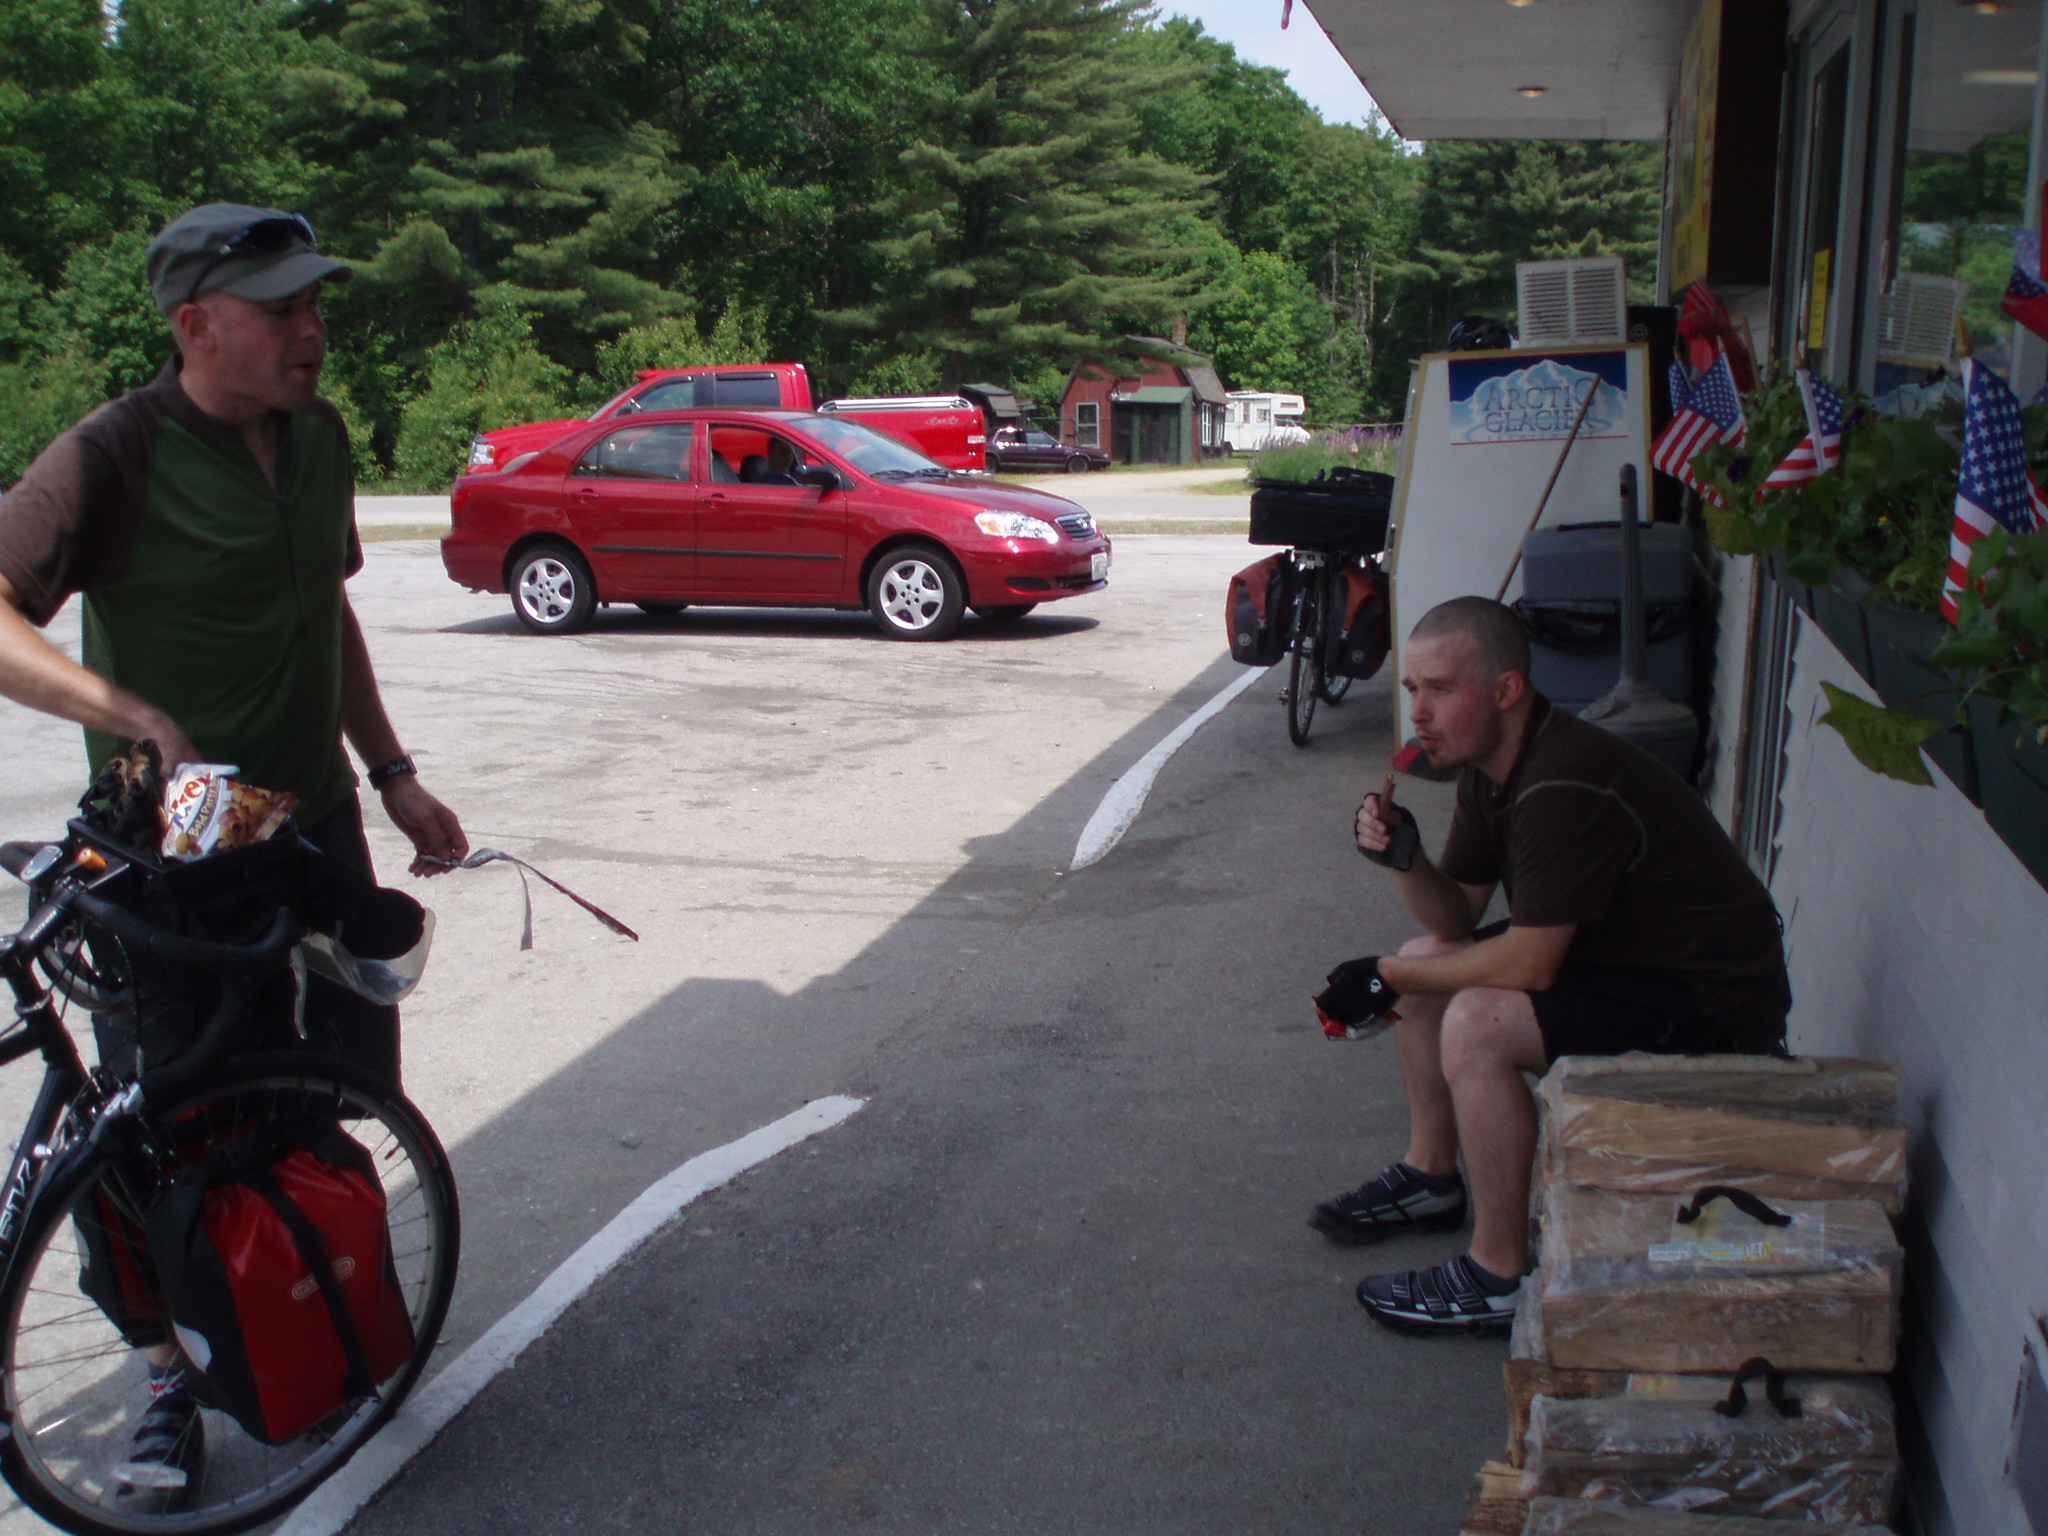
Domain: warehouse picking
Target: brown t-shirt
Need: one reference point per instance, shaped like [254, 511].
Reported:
[1592, 831]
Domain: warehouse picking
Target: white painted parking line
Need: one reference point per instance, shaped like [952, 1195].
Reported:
[332, 1505]
[1126, 797]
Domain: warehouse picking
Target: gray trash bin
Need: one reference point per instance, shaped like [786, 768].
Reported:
[1571, 602]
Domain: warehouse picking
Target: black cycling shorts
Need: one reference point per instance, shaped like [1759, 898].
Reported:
[1607, 1010]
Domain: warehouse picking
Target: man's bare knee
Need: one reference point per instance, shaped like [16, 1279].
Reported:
[1486, 1028]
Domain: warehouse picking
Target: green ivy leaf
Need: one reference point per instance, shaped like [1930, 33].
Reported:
[1886, 741]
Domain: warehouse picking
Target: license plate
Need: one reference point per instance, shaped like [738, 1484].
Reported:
[1098, 567]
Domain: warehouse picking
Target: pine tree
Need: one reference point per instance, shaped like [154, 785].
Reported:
[1031, 226]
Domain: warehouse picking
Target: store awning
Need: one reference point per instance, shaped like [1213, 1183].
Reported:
[1606, 69]
[1156, 394]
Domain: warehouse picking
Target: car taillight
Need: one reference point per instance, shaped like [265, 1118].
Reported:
[481, 454]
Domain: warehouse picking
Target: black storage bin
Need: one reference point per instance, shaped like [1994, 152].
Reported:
[1343, 510]
[1571, 602]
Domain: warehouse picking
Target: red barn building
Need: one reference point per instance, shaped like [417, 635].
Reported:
[1154, 403]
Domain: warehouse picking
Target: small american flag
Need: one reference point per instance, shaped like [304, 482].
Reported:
[1994, 489]
[1821, 449]
[2026, 297]
[1701, 416]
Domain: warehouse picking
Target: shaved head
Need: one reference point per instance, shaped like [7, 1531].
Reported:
[1499, 642]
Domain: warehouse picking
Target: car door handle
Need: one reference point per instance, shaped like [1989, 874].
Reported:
[718, 498]
[586, 493]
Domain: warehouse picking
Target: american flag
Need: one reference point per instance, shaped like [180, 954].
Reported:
[1821, 449]
[1701, 416]
[1995, 489]
[2026, 297]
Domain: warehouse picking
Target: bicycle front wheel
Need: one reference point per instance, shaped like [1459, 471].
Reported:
[72, 1377]
[1305, 670]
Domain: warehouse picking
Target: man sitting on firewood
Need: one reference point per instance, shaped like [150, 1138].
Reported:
[1633, 924]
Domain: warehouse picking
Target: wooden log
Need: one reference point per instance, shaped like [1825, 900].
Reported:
[1497, 1507]
[1662, 1441]
[1625, 1286]
[1810, 1128]
[1526, 1380]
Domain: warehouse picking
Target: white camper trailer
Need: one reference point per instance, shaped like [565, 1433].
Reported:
[1253, 420]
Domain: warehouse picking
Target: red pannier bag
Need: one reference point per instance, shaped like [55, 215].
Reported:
[275, 1258]
[1255, 611]
[1360, 636]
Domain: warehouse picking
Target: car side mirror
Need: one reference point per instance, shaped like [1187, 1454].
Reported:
[823, 476]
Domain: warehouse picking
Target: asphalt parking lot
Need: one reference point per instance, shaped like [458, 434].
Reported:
[1055, 1275]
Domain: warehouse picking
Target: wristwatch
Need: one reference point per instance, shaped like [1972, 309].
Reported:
[384, 773]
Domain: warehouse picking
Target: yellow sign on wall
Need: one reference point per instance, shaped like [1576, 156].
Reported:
[1692, 147]
[1817, 303]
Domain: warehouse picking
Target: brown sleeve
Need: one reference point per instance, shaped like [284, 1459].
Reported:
[1573, 842]
[69, 521]
[1468, 852]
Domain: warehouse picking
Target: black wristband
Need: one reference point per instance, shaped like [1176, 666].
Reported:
[384, 773]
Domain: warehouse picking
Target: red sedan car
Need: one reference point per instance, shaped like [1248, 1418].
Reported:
[762, 508]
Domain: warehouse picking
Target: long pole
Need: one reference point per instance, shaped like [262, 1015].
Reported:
[1555, 470]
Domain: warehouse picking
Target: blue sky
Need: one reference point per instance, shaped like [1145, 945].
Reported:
[1314, 68]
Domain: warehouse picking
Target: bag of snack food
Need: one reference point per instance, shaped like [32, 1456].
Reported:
[208, 810]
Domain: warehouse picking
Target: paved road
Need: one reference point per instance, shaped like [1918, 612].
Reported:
[1055, 1276]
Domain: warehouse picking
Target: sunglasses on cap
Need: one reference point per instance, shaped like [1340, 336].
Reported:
[258, 239]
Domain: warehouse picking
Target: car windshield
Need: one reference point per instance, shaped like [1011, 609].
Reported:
[873, 453]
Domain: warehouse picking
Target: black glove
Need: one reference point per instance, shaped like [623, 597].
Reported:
[1405, 836]
[1358, 1001]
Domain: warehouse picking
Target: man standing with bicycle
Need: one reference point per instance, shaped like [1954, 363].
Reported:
[208, 519]
[1633, 924]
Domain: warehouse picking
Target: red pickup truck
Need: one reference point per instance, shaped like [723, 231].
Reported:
[943, 428]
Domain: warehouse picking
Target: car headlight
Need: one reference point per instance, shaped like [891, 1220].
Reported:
[1016, 525]
[481, 453]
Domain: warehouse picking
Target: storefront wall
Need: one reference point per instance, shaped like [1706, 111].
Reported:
[1911, 151]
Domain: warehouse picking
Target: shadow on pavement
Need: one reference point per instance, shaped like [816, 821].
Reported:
[784, 624]
[1056, 1276]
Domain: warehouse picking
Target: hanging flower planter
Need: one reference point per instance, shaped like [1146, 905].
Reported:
[1906, 676]
[2012, 769]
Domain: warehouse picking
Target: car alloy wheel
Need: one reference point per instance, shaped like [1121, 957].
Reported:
[916, 594]
[551, 590]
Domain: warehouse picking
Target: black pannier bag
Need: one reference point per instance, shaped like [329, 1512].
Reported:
[117, 1275]
[1343, 510]
[1255, 611]
[275, 1258]
[1360, 635]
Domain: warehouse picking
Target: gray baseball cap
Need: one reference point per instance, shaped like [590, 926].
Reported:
[253, 253]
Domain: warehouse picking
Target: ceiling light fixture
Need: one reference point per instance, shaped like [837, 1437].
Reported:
[1531, 91]
[1518, 4]
[1982, 7]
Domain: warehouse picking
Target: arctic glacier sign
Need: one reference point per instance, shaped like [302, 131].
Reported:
[1533, 398]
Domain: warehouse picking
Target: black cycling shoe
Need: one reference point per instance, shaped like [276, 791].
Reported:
[1447, 1298]
[1396, 1201]
[166, 1459]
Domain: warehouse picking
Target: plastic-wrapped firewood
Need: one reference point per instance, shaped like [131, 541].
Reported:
[1497, 1506]
[1822, 1448]
[1650, 1283]
[1812, 1128]
[1577, 1517]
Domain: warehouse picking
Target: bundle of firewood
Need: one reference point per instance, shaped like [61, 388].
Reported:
[1698, 1352]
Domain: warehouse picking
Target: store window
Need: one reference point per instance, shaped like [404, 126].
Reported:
[1960, 186]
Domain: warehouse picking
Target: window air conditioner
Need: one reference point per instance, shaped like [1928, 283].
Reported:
[1558, 302]
[1916, 320]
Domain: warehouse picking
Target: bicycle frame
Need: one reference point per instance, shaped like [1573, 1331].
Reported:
[64, 1074]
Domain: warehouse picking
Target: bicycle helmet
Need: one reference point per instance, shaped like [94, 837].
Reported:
[1477, 333]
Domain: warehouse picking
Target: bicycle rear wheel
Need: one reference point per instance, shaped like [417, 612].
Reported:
[73, 1387]
[1305, 670]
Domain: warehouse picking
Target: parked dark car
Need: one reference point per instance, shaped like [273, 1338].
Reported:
[669, 509]
[1014, 448]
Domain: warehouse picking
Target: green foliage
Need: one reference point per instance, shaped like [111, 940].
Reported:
[2000, 642]
[1321, 454]
[1029, 222]
[911, 373]
[105, 310]
[487, 374]
[1883, 740]
[39, 400]
[1885, 513]
[1263, 324]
